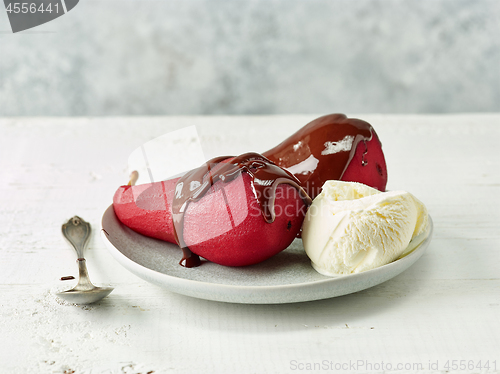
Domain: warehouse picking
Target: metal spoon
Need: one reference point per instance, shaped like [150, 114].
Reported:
[77, 232]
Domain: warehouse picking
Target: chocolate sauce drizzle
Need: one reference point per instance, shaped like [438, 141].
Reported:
[265, 178]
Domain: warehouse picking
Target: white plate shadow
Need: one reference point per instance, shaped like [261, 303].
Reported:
[285, 278]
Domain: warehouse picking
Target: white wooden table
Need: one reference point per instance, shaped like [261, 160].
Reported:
[440, 315]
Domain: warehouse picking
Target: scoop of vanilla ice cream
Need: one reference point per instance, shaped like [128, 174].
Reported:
[350, 227]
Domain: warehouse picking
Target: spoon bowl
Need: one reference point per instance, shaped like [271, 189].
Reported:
[77, 232]
[75, 296]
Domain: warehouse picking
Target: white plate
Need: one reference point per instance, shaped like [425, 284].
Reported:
[285, 278]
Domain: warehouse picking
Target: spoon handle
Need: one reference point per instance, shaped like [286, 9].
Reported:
[77, 232]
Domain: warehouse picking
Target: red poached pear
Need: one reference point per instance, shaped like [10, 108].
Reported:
[227, 226]
[332, 147]
[236, 212]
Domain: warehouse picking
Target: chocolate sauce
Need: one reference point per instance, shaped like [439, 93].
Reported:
[321, 150]
[265, 178]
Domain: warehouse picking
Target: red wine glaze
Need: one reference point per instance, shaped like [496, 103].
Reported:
[265, 177]
[321, 150]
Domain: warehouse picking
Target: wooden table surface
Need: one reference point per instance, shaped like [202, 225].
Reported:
[441, 315]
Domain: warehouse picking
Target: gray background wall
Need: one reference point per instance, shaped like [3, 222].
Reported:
[142, 57]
